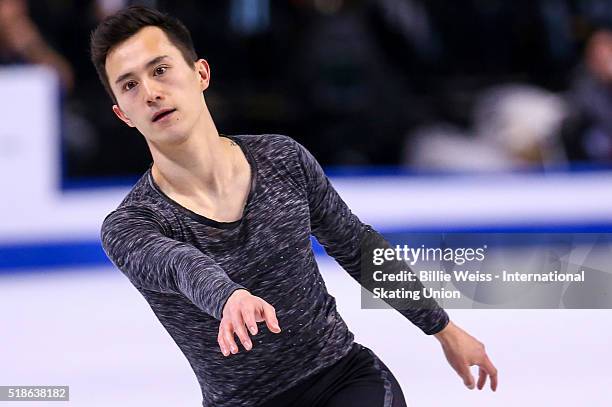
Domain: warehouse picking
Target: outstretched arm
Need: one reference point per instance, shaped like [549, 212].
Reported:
[137, 242]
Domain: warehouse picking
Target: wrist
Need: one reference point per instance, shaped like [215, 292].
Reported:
[231, 299]
[447, 332]
[240, 292]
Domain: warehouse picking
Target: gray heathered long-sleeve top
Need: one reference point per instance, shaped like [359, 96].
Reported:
[186, 266]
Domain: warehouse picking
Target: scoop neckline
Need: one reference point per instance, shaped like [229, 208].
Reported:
[206, 220]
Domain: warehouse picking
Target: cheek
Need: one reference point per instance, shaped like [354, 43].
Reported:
[136, 114]
[126, 105]
[190, 96]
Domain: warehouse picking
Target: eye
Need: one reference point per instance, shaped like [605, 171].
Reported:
[160, 70]
[129, 85]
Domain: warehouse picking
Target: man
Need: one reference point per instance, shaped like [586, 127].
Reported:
[216, 237]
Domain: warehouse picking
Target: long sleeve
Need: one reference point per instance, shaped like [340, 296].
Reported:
[135, 241]
[344, 237]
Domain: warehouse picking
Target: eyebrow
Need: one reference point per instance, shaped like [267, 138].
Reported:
[147, 65]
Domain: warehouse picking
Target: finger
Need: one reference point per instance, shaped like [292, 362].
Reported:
[228, 335]
[259, 313]
[226, 338]
[250, 321]
[491, 371]
[222, 344]
[270, 316]
[482, 378]
[494, 382]
[240, 330]
[466, 375]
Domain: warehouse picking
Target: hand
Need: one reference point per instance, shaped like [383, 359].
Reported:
[242, 309]
[11, 10]
[17, 31]
[22, 37]
[462, 351]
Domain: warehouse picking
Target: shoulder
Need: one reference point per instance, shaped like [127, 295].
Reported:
[141, 194]
[275, 149]
[268, 144]
[141, 206]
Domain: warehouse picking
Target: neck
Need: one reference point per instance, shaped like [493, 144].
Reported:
[202, 163]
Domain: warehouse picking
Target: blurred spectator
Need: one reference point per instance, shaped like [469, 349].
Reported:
[91, 133]
[22, 42]
[345, 77]
[591, 95]
[351, 98]
[104, 8]
[515, 126]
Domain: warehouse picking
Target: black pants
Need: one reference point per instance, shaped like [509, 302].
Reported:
[359, 379]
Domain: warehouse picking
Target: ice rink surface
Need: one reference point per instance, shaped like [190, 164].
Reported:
[91, 330]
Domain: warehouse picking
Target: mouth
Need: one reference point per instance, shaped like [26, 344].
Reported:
[161, 114]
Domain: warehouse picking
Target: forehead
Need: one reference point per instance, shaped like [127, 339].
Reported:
[133, 53]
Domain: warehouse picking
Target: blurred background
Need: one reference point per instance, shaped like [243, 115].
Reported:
[467, 84]
[429, 115]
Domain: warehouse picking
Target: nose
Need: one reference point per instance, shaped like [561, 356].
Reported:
[151, 92]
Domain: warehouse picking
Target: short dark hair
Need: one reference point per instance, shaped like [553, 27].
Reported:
[125, 23]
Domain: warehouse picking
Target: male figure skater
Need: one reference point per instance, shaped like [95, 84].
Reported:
[216, 237]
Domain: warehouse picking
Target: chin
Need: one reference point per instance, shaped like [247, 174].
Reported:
[168, 137]
[174, 137]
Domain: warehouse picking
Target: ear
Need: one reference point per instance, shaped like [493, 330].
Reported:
[119, 113]
[203, 70]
